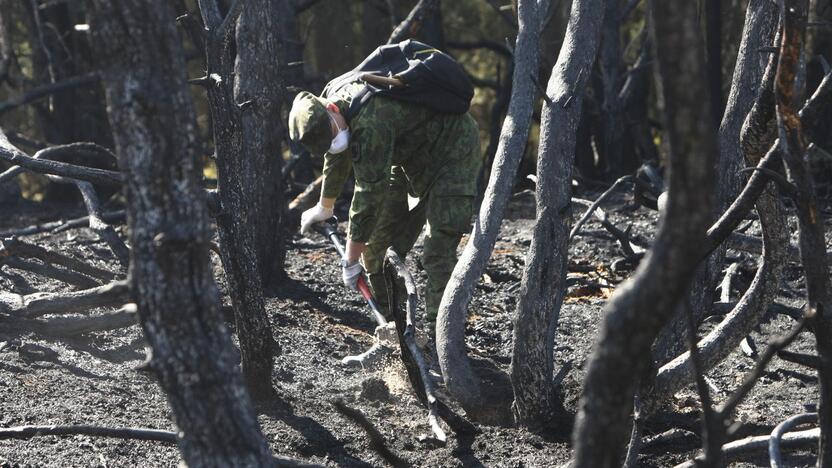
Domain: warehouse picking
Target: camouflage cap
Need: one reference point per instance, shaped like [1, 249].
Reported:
[309, 123]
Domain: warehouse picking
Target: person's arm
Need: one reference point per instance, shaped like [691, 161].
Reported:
[337, 168]
[354, 250]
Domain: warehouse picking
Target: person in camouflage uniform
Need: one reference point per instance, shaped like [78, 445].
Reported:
[395, 149]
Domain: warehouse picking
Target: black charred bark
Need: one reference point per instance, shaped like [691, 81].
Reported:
[462, 383]
[171, 279]
[758, 32]
[243, 174]
[544, 276]
[261, 56]
[810, 224]
[638, 310]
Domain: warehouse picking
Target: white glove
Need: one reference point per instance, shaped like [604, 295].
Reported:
[314, 215]
[350, 272]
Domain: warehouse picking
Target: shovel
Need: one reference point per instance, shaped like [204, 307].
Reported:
[329, 229]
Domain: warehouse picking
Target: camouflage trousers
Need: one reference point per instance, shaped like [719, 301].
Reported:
[444, 212]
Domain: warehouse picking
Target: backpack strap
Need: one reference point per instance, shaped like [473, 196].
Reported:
[358, 100]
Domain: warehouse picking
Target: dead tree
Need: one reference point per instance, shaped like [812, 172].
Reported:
[258, 80]
[810, 224]
[544, 275]
[610, 64]
[462, 383]
[758, 32]
[758, 136]
[245, 168]
[6, 50]
[638, 310]
[171, 279]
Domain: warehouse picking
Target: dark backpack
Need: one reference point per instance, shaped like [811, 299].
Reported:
[421, 74]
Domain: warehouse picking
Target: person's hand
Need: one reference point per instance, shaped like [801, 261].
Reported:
[314, 215]
[350, 272]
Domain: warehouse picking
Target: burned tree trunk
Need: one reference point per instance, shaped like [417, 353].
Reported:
[459, 377]
[810, 226]
[259, 81]
[541, 295]
[638, 310]
[171, 279]
[758, 32]
[609, 62]
[6, 50]
[241, 175]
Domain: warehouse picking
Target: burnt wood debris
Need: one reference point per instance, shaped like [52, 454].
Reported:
[645, 281]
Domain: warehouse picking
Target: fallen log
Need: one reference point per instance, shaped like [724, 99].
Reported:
[118, 216]
[28, 432]
[16, 247]
[34, 305]
[73, 326]
[91, 152]
[414, 362]
[774, 452]
[129, 433]
[10, 153]
[805, 438]
[51, 271]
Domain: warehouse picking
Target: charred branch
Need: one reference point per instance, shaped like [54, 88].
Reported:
[111, 217]
[50, 271]
[28, 432]
[84, 150]
[807, 360]
[774, 453]
[796, 439]
[810, 226]
[71, 326]
[14, 156]
[38, 304]
[11, 246]
[597, 203]
[96, 222]
[88, 193]
[128, 433]
[631, 251]
[414, 362]
[636, 313]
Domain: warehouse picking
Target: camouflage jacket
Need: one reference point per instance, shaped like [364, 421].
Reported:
[388, 134]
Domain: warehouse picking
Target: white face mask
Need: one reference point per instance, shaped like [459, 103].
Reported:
[341, 140]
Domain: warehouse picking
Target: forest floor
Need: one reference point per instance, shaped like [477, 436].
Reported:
[92, 379]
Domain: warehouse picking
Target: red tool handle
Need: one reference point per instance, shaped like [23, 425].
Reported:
[363, 288]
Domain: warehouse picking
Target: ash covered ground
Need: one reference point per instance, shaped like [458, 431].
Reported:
[92, 379]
